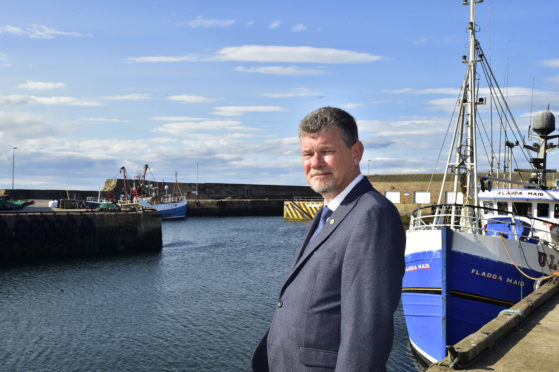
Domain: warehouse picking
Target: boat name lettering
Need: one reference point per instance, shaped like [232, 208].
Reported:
[521, 193]
[517, 282]
[424, 266]
[498, 277]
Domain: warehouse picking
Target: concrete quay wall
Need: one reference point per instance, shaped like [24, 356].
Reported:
[214, 199]
[27, 236]
[235, 207]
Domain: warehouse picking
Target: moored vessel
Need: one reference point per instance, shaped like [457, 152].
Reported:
[490, 241]
[170, 206]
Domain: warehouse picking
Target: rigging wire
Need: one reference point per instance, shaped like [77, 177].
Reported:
[458, 100]
[494, 88]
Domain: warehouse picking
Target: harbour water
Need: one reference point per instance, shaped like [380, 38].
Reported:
[202, 304]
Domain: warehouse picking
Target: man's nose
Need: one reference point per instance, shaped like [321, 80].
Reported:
[317, 160]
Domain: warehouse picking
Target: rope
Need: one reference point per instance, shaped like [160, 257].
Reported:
[510, 311]
[454, 362]
[443, 362]
[520, 270]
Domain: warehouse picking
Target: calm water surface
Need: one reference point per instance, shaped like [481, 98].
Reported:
[202, 304]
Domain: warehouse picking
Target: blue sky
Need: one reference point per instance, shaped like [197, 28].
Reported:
[87, 87]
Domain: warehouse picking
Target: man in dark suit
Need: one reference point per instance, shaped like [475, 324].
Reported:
[335, 311]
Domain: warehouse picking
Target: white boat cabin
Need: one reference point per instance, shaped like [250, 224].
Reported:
[537, 209]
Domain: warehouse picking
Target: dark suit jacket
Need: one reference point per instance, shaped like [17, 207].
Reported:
[336, 308]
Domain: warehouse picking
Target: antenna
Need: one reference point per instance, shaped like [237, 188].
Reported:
[531, 105]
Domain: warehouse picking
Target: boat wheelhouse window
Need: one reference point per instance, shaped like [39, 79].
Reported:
[522, 209]
[503, 207]
[488, 205]
[543, 210]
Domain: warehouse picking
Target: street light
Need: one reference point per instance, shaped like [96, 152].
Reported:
[13, 167]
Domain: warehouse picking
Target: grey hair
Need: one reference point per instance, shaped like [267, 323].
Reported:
[326, 118]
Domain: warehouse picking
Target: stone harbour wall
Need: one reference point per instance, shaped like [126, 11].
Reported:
[31, 236]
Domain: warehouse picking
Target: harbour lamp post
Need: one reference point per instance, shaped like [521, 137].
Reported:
[13, 167]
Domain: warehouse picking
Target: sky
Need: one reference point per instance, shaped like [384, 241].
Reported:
[215, 90]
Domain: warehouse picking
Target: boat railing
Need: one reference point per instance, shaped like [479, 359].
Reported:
[173, 199]
[485, 221]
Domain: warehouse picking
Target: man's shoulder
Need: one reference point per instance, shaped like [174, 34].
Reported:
[373, 201]
[373, 195]
[366, 196]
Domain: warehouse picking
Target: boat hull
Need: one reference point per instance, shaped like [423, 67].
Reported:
[169, 211]
[455, 282]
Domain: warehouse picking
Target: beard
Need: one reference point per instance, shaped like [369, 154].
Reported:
[321, 186]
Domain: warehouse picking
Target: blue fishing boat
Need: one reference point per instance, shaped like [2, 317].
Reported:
[493, 237]
[170, 208]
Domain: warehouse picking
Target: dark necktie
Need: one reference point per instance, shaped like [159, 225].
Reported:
[326, 212]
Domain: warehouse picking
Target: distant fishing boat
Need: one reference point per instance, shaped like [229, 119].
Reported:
[171, 206]
[495, 238]
[9, 204]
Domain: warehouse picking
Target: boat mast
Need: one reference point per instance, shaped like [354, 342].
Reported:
[471, 196]
[463, 145]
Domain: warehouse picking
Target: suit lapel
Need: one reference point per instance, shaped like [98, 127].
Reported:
[336, 220]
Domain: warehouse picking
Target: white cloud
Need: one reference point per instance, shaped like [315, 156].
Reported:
[268, 53]
[517, 98]
[397, 91]
[176, 118]
[195, 126]
[298, 28]
[4, 62]
[450, 91]
[207, 23]
[11, 30]
[18, 99]
[532, 114]
[352, 105]
[128, 97]
[282, 71]
[240, 110]
[104, 120]
[297, 92]
[23, 125]
[551, 62]
[274, 25]
[41, 85]
[288, 54]
[163, 59]
[186, 98]
[38, 32]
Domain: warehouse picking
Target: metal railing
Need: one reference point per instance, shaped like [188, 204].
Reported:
[486, 221]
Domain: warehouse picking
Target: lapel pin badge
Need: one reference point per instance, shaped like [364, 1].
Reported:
[331, 222]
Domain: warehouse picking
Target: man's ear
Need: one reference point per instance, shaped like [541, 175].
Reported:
[357, 150]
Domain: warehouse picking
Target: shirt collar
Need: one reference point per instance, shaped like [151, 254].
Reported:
[335, 203]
